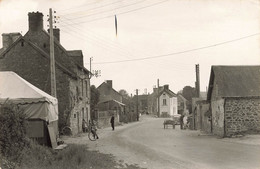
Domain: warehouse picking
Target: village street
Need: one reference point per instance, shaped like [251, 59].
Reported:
[148, 145]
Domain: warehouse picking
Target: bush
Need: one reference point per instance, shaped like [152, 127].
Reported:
[12, 134]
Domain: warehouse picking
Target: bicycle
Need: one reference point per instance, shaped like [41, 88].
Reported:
[92, 134]
[66, 131]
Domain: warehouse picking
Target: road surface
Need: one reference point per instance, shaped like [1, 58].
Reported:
[148, 145]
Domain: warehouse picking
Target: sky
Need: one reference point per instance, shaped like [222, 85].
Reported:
[156, 39]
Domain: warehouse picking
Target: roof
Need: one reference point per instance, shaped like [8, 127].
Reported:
[12, 86]
[235, 81]
[120, 103]
[108, 87]
[180, 96]
[74, 52]
[168, 91]
[161, 91]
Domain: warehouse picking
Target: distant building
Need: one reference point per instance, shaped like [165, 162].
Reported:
[28, 56]
[142, 103]
[182, 105]
[167, 99]
[234, 97]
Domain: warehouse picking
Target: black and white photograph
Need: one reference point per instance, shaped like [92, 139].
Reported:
[130, 84]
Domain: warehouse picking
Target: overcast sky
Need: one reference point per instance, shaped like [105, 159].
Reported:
[157, 39]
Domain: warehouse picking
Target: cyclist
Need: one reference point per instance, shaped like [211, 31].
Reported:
[93, 129]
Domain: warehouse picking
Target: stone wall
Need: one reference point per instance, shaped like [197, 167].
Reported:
[242, 115]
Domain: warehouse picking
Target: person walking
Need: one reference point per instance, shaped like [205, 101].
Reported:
[112, 121]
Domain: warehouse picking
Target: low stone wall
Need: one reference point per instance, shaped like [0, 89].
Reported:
[242, 115]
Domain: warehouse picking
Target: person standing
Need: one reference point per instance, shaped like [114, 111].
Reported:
[112, 121]
[181, 121]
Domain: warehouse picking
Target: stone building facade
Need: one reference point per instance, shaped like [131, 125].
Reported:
[28, 56]
[234, 97]
[242, 115]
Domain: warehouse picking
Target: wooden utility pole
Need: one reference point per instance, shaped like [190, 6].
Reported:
[137, 103]
[197, 80]
[158, 112]
[52, 59]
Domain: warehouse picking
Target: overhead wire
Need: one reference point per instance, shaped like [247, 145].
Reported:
[88, 4]
[98, 13]
[123, 51]
[181, 52]
[118, 13]
[91, 9]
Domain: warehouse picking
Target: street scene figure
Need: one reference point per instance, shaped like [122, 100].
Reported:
[93, 128]
[181, 121]
[112, 121]
[84, 126]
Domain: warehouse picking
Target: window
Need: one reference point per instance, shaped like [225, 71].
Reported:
[164, 102]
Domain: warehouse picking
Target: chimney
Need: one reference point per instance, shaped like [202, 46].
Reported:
[56, 33]
[9, 38]
[109, 82]
[166, 87]
[35, 21]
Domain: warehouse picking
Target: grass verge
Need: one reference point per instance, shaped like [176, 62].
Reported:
[74, 156]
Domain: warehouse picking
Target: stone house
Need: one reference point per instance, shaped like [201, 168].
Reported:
[110, 101]
[234, 97]
[167, 99]
[28, 56]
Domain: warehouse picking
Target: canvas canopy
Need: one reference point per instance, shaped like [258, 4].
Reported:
[36, 103]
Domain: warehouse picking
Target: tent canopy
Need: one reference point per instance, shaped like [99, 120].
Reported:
[36, 103]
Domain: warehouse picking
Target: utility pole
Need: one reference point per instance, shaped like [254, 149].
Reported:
[96, 73]
[137, 114]
[197, 66]
[158, 112]
[90, 60]
[52, 59]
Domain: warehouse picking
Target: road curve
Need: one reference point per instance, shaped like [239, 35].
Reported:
[148, 145]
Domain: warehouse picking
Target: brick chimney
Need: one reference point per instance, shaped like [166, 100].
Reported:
[110, 84]
[166, 87]
[35, 21]
[56, 33]
[9, 38]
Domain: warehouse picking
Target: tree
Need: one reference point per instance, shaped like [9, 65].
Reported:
[12, 134]
[124, 93]
[188, 93]
[94, 97]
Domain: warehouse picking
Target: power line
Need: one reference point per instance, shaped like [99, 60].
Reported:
[181, 52]
[88, 4]
[85, 16]
[120, 13]
[91, 9]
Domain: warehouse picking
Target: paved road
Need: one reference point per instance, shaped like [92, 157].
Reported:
[147, 144]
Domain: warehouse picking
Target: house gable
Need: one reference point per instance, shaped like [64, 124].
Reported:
[234, 81]
[108, 93]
